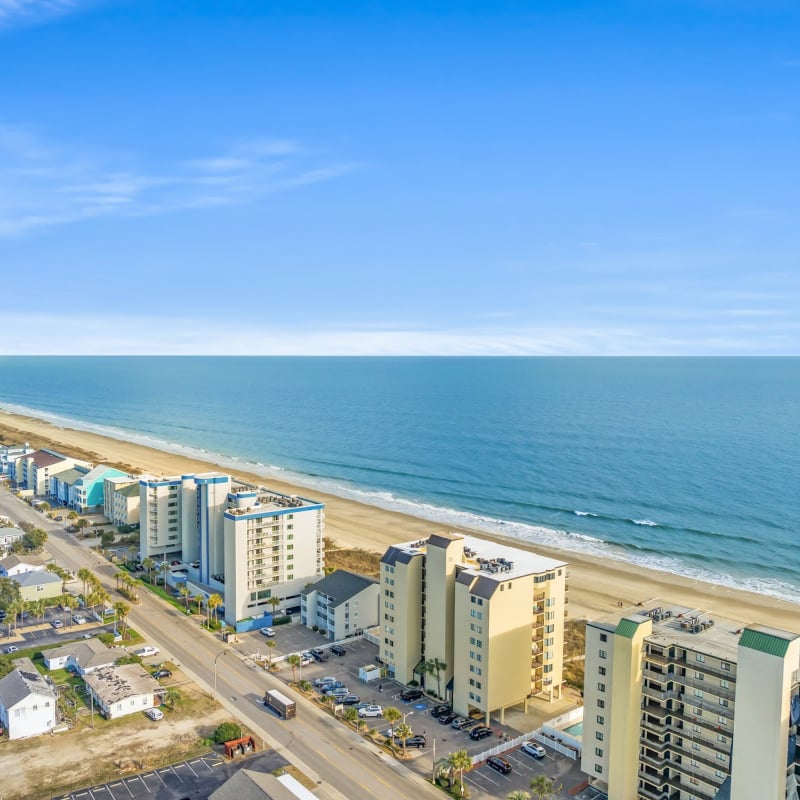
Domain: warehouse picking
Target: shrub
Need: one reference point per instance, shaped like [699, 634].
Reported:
[227, 731]
[281, 620]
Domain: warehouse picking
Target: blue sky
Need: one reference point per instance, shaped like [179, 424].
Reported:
[422, 178]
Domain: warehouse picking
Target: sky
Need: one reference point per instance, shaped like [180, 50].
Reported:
[435, 178]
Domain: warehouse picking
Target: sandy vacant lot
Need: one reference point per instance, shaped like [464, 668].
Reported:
[47, 765]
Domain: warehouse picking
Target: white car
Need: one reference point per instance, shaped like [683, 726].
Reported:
[268, 631]
[306, 659]
[146, 651]
[79, 619]
[12, 649]
[57, 623]
[533, 749]
[154, 714]
[370, 711]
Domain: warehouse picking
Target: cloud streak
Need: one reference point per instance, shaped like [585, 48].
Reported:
[44, 185]
[14, 12]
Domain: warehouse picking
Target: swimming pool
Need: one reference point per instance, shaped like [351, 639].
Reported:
[576, 729]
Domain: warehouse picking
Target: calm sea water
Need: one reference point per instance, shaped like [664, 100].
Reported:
[690, 465]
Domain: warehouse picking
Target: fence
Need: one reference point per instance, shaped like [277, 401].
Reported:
[538, 736]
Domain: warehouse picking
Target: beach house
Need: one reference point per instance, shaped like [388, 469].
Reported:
[84, 656]
[121, 498]
[477, 622]
[27, 702]
[682, 703]
[124, 689]
[9, 453]
[340, 604]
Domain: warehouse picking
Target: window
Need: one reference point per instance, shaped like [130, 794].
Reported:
[720, 756]
[699, 657]
[598, 751]
[601, 687]
[601, 720]
[722, 738]
[700, 676]
[601, 703]
[698, 692]
[723, 702]
[601, 670]
[603, 637]
[598, 768]
[599, 736]
[603, 654]
[695, 746]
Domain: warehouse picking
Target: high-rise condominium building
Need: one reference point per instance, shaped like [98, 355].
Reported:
[478, 622]
[273, 547]
[685, 705]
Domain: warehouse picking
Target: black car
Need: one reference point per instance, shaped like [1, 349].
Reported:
[440, 710]
[412, 741]
[499, 763]
[447, 719]
[319, 655]
[408, 695]
[162, 673]
[481, 732]
[338, 650]
[351, 700]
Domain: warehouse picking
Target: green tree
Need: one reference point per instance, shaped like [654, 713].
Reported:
[350, 714]
[519, 794]
[171, 697]
[122, 610]
[274, 602]
[542, 787]
[271, 645]
[68, 602]
[9, 592]
[212, 604]
[392, 715]
[163, 568]
[84, 575]
[72, 514]
[460, 760]
[82, 524]
[436, 667]
[294, 662]
[226, 732]
[402, 732]
[34, 540]
[185, 593]
[198, 598]
[304, 686]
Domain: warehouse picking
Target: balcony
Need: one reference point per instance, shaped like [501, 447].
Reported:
[659, 694]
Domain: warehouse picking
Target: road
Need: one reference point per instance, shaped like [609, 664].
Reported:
[345, 766]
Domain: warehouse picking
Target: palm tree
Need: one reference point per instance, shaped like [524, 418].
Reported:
[304, 686]
[122, 609]
[148, 564]
[350, 714]
[294, 662]
[542, 787]
[392, 715]
[460, 760]
[274, 602]
[14, 608]
[519, 794]
[185, 592]
[68, 602]
[212, 604]
[402, 732]
[271, 645]
[198, 598]
[85, 576]
[82, 524]
[170, 697]
[164, 569]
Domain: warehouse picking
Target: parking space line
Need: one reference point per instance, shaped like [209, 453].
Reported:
[190, 768]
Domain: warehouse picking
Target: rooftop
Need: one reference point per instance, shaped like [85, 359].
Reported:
[261, 501]
[112, 684]
[86, 653]
[482, 557]
[36, 577]
[23, 681]
[692, 628]
[340, 585]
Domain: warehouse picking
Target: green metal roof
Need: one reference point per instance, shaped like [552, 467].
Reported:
[764, 642]
[627, 628]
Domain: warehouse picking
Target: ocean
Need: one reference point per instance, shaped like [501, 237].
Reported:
[690, 465]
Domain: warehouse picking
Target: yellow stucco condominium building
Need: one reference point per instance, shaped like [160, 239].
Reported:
[478, 623]
[686, 705]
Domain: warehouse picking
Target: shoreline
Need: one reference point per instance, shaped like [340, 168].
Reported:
[597, 584]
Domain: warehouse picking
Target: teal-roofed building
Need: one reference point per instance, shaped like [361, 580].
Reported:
[86, 493]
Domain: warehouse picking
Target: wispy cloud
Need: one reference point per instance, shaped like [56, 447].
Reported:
[43, 184]
[26, 12]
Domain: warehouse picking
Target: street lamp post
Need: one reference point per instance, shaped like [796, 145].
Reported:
[216, 658]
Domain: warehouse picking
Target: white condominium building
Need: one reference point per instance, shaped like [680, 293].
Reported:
[685, 705]
[273, 547]
[476, 621]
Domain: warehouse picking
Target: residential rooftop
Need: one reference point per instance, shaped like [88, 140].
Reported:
[691, 628]
[113, 684]
[261, 500]
[482, 557]
[340, 585]
[23, 681]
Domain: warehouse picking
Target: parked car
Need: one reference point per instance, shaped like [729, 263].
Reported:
[268, 631]
[499, 763]
[57, 623]
[339, 692]
[350, 700]
[89, 635]
[441, 710]
[79, 619]
[408, 695]
[533, 749]
[306, 659]
[470, 723]
[146, 651]
[481, 732]
[459, 723]
[12, 649]
[370, 711]
[338, 650]
[319, 655]
[412, 741]
[327, 679]
[155, 714]
[162, 673]
[447, 719]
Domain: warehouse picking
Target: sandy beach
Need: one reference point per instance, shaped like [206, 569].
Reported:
[596, 586]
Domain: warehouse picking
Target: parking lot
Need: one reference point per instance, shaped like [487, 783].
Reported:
[441, 740]
[40, 632]
[198, 777]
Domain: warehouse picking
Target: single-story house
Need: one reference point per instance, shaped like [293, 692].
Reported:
[342, 604]
[8, 537]
[15, 565]
[85, 656]
[39, 585]
[123, 689]
[247, 784]
[27, 702]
